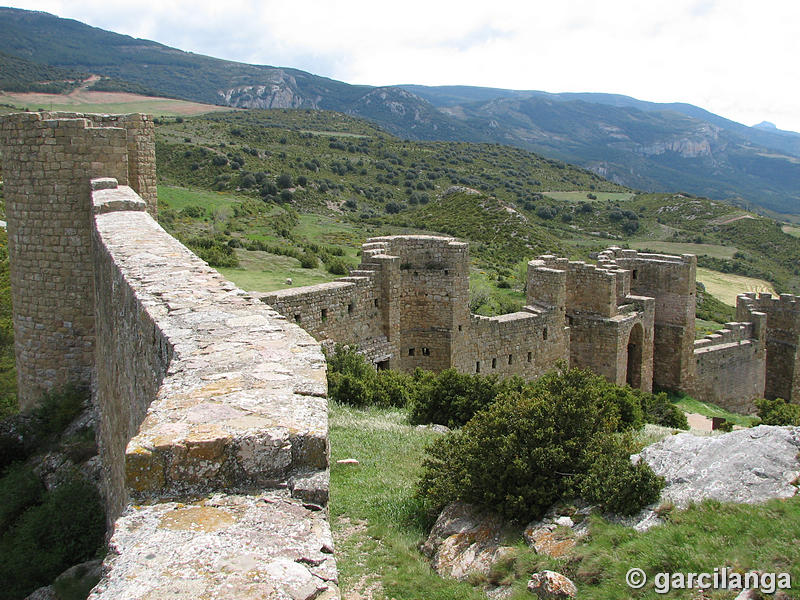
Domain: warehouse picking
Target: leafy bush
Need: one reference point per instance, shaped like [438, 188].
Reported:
[19, 489]
[66, 528]
[391, 388]
[660, 410]
[778, 412]
[336, 267]
[524, 451]
[613, 482]
[309, 260]
[284, 181]
[452, 398]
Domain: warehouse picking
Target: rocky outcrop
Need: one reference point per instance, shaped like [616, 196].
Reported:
[466, 540]
[748, 466]
[278, 90]
[550, 585]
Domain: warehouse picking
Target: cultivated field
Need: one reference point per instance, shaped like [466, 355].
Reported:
[727, 286]
[82, 100]
[678, 248]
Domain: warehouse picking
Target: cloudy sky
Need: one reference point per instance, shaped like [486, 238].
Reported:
[737, 58]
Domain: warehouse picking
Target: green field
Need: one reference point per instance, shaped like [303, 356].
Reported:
[178, 198]
[791, 230]
[678, 248]
[264, 272]
[107, 103]
[726, 286]
[581, 196]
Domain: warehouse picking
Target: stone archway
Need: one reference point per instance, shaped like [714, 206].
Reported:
[633, 375]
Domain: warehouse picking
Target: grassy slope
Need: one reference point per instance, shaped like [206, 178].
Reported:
[377, 528]
[351, 172]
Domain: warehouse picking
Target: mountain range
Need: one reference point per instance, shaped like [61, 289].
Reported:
[644, 145]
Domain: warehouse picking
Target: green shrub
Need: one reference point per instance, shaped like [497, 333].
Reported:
[309, 260]
[66, 528]
[449, 397]
[337, 267]
[660, 410]
[778, 412]
[391, 388]
[19, 489]
[613, 482]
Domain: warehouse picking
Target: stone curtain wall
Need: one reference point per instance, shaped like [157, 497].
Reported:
[527, 343]
[782, 340]
[213, 415]
[213, 421]
[731, 365]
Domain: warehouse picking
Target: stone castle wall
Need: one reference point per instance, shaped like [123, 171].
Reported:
[731, 365]
[213, 416]
[782, 340]
[48, 160]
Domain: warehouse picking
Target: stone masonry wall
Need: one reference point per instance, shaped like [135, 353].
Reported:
[527, 343]
[671, 281]
[213, 416]
[48, 159]
[731, 365]
[782, 341]
[213, 421]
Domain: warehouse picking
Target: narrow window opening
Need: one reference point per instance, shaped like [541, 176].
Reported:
[530, 356]
[459, 327]
[411, 351]
[494, 363]
[324, 313]
[350, 309]
[446, 272]
[478, 366]
[510, 359]
[377, 303]
[426, 352]
[297, 318]
[544, 333]
[634, 274]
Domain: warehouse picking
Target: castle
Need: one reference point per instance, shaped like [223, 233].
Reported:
[211, 401]
[630, 318]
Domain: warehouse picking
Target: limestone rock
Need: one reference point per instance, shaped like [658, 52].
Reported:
[748, 466]
[466, 540]
[558, 532]
[551, 585]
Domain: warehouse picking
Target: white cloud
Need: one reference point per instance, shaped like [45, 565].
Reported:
[733, 57]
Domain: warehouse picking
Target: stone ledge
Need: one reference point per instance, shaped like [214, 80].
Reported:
[110, 197]
[243, 402]
[224, 546]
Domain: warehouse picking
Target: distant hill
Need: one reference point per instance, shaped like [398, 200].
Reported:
[656, 147]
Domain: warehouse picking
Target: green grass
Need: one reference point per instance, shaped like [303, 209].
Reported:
[94, 103]
[375, 520]
[793, 231]
[378, 527]
[703, 327]
[264, 272]
[176, 198]
[707, 409]
[581, 196]
[713, 250]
